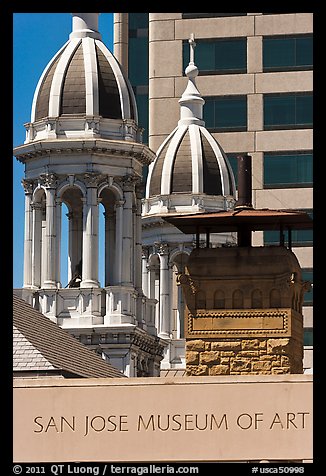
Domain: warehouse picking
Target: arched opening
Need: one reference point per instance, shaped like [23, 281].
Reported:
[200, 300]
[107, 238]
[71, 237]
[275, 298]
[64, 245]
[154, 284]
[219, 299]
[237, 299]
[256, 299]
[178, 304]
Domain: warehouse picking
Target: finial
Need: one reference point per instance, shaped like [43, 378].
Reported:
[192, 44]
[85, 25]
[192, 70]
[191, 102]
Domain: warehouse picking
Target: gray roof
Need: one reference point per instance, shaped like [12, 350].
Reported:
[41, 345]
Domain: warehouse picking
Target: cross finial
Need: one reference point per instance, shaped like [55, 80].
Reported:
[192, 44]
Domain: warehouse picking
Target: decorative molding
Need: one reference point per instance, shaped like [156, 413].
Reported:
[49, 180]
[28, 186]
[212, 323]
[161, 248]
[92, 179]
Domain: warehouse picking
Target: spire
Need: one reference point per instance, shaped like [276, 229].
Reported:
[85, 24]
[191, 102]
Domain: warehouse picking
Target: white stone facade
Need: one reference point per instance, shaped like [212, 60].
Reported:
[83, 160]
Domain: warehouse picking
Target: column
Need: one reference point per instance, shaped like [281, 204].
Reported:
[58, 242]
[145, 272]
[138, 238]
[121, 39]
[36, 243]
[110, 247]
[164, 327]
[90, 235]
[28, 233]
[127, 234]
[118, 241]
[49, 244]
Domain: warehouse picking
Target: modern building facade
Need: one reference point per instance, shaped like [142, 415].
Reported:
[255, 74]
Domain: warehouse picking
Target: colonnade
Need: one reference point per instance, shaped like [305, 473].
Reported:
[160, 265]
[82, 194]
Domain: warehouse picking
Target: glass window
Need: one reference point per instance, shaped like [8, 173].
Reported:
[226, 113]
[307, 275]
[285, 111]
[298, 237]
[138, 61]
[142, 107]
[218, 56]
[308, 336]
[287, 53]
[137, 20]
[287, 169]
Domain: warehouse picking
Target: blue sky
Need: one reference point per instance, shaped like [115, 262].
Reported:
[36, 38]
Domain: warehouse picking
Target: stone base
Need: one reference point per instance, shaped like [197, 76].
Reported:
[244, 356]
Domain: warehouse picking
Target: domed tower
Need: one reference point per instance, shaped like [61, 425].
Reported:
[191, 174]
[84, 148]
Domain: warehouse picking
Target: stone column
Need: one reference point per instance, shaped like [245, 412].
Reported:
[90, 234]
[58, 242]
[28, 234]
[127, 234]
[120, 36]
[118, 241]
[36, 244]
[110, 248]
[164, 325]
[145, 272]
[138, 238]
[49, 244]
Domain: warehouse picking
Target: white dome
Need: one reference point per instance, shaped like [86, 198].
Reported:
[190, 163]
[82, 81]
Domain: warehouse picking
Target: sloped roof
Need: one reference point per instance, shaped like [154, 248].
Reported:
[40, 344]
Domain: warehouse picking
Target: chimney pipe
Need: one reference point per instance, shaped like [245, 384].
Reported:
[244, 182]
[244, 196]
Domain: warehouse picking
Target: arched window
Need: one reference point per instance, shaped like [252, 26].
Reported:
[107, 238]
[71, 236]
[178, 303]
[275, 298]
[154, 284]
[256, 299]
[200, 300]
[237, 299]
[219, 299]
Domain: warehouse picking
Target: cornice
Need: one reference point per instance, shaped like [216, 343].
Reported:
[106, 147]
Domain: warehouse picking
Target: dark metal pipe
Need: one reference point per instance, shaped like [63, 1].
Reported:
[197, 237]
[244, 195]
[207, 238]
[244, 182]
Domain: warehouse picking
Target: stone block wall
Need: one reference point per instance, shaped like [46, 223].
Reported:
[243, 356]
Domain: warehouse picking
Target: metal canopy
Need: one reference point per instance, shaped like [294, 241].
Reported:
[235, 220]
